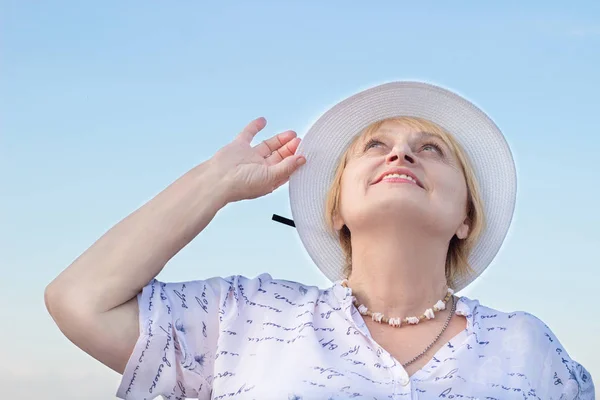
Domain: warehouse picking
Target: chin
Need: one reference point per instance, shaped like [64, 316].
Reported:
[400, 202]
[391, 209]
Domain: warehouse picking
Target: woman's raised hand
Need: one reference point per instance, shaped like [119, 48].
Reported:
[253, 171]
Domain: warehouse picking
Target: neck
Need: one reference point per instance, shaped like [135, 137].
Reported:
[399, 274]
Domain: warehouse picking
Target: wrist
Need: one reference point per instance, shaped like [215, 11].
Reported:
[210, 178]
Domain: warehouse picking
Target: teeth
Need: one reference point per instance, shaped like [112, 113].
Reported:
[401, 176]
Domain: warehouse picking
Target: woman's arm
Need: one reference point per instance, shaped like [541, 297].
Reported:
[93, 301]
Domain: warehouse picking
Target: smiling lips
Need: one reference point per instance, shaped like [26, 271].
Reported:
[399, 176]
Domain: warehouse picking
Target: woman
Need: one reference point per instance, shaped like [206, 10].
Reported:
[406, 196]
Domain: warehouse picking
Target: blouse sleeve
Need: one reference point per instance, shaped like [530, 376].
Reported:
[179, 330]
[564, 378]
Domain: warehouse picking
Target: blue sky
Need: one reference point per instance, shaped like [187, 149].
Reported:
[103, 104]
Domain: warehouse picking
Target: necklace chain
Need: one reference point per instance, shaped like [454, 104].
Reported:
[429, 314]
[450, 314]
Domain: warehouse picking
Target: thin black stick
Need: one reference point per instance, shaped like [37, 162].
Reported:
[283, 220]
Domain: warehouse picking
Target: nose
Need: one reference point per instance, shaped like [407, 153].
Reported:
[400, 154]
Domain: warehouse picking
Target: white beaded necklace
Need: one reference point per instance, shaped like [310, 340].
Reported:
[429, 314]
[396, 321]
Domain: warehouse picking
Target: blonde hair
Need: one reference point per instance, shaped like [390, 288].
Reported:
[457, 263]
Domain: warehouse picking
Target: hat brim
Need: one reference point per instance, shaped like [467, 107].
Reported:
[329, 137]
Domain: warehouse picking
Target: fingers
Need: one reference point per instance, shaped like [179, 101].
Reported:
[248, 133]
[284, 169]
[271, 145]
[278, 150]
[289, 149]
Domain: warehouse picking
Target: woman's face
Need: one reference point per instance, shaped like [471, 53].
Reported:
[400, 172]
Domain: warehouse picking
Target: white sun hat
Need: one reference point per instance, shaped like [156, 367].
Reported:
[329, 137]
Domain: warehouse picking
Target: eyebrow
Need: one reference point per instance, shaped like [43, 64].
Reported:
[428, 135]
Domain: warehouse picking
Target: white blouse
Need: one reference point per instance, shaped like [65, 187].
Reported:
[239, 338]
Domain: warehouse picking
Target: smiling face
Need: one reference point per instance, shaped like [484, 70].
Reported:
[408, 171]
[399, 169]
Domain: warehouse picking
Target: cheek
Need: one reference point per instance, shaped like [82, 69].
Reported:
[347, 193]
[351, 190]
[454, 190]
[350, 182]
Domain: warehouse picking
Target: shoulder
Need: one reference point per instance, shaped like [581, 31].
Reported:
[487, 317]
[278, 292]
[240, 290]
[259, 283]
[526, 340]
[520, 326]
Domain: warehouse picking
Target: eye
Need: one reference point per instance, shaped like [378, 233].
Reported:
[432, 147]
[372, 143]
